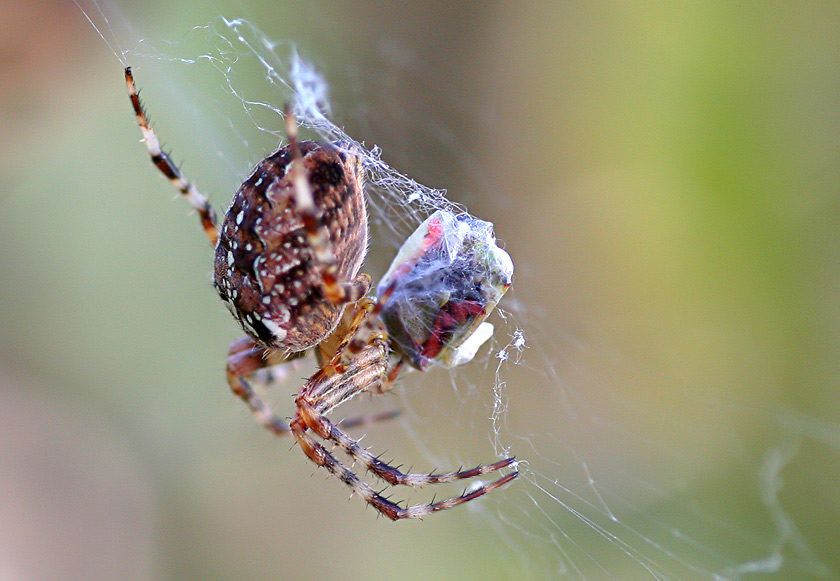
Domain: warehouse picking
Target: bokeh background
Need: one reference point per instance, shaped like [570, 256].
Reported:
[665, 177]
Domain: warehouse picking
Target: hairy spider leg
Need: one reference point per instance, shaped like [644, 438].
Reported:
[320, 456]
[164, 163]
[358, 331]
[368, 370]
[244, 359]
[329, 431]
[324, 392]
[244, 363]
[317, 235]
[365, 327]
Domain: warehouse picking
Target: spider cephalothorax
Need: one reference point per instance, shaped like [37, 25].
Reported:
[287, 265]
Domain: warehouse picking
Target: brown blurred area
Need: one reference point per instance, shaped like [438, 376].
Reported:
[76, 500]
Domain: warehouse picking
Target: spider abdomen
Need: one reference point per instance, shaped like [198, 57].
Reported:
[265, 267]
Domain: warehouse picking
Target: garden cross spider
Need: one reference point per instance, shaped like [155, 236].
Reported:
[287, 266]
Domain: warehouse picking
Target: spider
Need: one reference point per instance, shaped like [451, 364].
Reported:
[287, 262]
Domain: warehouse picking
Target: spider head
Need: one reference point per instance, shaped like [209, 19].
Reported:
[444, 281]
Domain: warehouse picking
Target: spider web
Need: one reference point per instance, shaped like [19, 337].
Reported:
[594, 499]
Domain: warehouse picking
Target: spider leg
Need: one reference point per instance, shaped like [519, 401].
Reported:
[272, 375]
[163, 162]
[329, 431]
[244, 359]
[320, 456]
[317, 235]
[370, 372]
[355, 317]
[390, 379]
[325, 391]
[366, 328]
[366, 420]
[331, 353]
[358, 330]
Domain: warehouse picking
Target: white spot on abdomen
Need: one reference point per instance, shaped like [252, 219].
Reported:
[276, 330]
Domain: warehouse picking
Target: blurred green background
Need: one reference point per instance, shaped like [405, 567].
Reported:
[665, 177]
